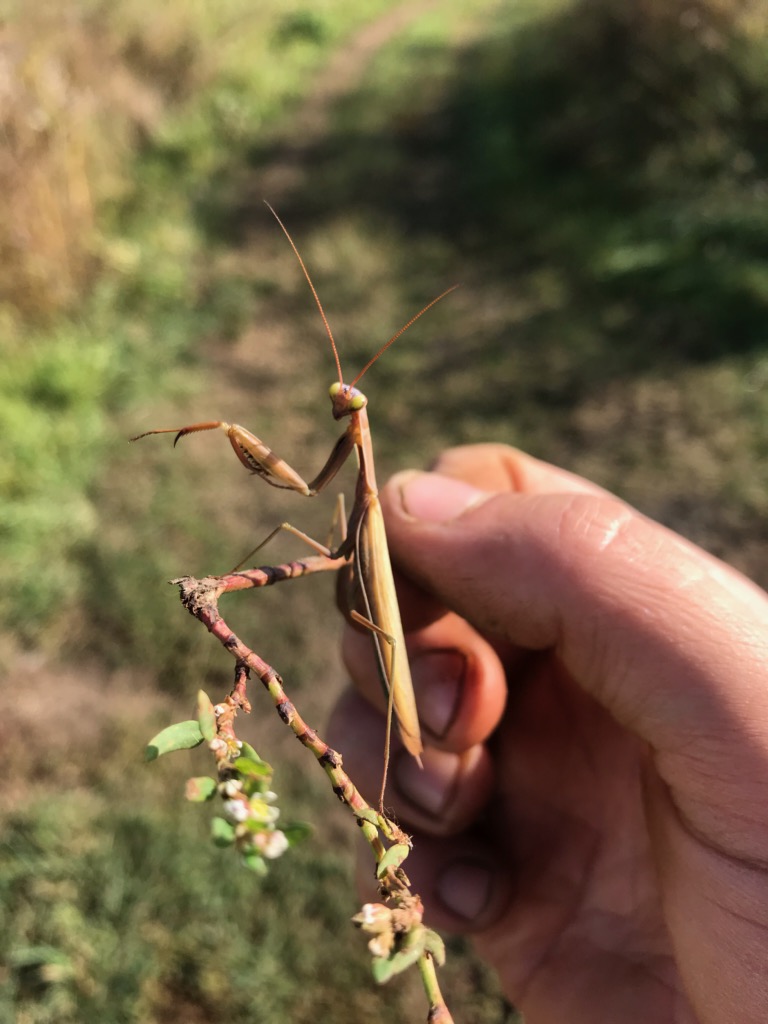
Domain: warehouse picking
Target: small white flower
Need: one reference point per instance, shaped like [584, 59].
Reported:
[276, 844]
[236, 810]
[231, 787]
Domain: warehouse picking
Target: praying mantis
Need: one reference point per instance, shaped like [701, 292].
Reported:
[366, 580]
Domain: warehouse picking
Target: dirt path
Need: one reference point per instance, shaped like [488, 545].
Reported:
[301, 133]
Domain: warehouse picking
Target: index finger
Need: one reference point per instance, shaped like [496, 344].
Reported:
[501, 468]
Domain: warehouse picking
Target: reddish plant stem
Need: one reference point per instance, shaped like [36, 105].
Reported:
[200, 598]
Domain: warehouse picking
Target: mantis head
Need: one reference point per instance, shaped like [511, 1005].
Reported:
[346, 399]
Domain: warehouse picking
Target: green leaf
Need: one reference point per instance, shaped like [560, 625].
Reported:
[255, 862]
[253, 769]
[222, 833]
[297, 832]
[253, 826]
[247, 751]
[435, 946]
[393, 858]
[181, 736]
[201, 788]
[206, 716]
[385, 968]
[382, 970]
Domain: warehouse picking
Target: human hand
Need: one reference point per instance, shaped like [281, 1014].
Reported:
[594, 693]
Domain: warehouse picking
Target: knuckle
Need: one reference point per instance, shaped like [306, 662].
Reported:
[593, 525]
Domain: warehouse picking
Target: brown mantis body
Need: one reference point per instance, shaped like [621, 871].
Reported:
[362, 554]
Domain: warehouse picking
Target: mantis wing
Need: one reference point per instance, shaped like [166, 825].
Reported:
[371, 592]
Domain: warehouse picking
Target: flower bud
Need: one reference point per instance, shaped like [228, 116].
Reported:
[374, 918]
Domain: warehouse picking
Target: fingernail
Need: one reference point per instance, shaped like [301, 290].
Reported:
[429, 788]
[438, 498]
[438, 679]
[465, 887]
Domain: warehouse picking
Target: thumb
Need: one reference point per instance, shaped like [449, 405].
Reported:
[668, 639]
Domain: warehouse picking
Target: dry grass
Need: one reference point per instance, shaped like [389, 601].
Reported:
[77, 94]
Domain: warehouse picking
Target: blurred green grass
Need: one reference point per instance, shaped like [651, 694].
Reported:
[594, 175]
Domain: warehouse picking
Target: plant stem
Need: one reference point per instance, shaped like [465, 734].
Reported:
[200, 598]
[438, 1011]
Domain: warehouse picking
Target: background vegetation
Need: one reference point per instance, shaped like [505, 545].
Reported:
[594, 173]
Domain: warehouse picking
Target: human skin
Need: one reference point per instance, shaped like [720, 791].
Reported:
[593, 689]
